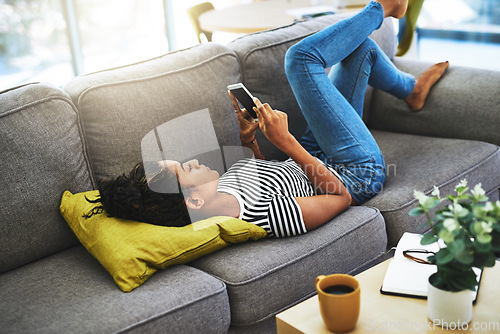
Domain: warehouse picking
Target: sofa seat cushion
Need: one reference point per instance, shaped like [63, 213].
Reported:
[70, 292]
[42, 154]
[268, 276]
[419, 163]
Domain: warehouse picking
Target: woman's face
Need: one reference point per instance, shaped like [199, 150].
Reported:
[192, 176]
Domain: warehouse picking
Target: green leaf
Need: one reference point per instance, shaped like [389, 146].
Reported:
[439, 216]
[484, 260]
[453, 278]
[436, 281]
[422, 226]
[447, 236]
[465, 281]
[466, 220]
[428, 239]
[476, 228]
[482, 247]
[464, 257]
[451, 198]
[461, 234]
[478, 211]
[463, 213]
[416, 211]
[495, 243]
[492, 220]
[444, 256]
[432, 202]
[457, 246]
[482, 198]
[483, 238]
[448, 214]
[490, 262]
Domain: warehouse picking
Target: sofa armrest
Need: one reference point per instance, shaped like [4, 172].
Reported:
[464, 104]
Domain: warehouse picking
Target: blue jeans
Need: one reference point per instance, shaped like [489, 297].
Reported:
[333, 104]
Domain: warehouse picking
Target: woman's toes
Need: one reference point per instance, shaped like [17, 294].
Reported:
[423, 85]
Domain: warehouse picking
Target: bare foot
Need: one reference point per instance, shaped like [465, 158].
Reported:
[423, 85]
[394, 8]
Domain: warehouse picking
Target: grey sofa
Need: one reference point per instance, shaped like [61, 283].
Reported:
[55, 139]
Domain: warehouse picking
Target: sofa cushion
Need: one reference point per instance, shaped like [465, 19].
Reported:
[268, 276]
[120, 106]
[419, 163]
[461, 97]
[262, 61]
[132, 251]
[69, 292]
[42, 155]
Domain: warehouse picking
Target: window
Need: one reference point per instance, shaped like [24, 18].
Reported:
[466, 32]
[33, 42]
[119, 32]
[53, 40]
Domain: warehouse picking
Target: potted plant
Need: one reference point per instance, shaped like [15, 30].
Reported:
[467, 228]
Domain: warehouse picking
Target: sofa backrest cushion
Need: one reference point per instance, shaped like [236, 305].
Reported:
[42, 155]
[120, 106]
[463, 104]
[262, 57]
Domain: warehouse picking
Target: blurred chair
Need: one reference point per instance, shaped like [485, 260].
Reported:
[408, 26]
[194, 14]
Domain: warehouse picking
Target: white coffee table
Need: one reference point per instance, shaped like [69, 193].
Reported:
[390, 314]
[258, 16]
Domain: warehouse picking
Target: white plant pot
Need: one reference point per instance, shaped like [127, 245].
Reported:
[449, 309]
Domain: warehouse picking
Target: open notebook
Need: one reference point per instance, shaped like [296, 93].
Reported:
[408, 278]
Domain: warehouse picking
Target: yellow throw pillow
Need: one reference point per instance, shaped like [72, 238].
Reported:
[132, 251]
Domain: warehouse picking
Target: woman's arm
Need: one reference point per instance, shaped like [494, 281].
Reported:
[248, 128]
[274, 124]
[333, 198]
[320, 209]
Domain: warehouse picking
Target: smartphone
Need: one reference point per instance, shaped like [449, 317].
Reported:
[244, 97]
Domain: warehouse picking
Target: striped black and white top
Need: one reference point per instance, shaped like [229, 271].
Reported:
[266, 192]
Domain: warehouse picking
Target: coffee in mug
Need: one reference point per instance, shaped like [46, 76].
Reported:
[338, 289]
[339, 301]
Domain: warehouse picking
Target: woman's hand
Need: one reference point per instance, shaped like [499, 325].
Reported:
[274, 125]
[248, 125]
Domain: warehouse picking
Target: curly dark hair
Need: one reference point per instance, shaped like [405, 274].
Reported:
[131, 197]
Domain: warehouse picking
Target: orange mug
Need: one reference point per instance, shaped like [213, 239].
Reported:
[339, 301]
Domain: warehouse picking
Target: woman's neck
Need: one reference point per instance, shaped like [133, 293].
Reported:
[223, 205]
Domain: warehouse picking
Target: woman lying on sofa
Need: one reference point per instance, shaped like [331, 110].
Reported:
[336, 164]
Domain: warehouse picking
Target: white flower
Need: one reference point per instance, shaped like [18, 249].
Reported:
[478, 191]
[462, 183]
[435, 192]
[420, 196]
[488, 207]
[486, 227]
[450, 224]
